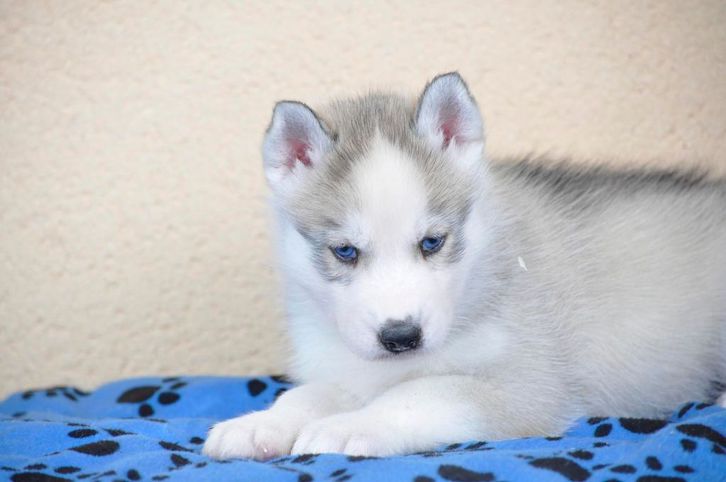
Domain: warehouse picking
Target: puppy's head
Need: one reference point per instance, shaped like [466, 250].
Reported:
[380, 193]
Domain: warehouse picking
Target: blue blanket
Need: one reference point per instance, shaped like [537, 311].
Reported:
[154, 428]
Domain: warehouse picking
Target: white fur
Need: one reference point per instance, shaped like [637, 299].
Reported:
[624, 315]
[395, 285]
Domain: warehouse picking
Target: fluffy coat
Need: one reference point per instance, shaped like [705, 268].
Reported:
[555, 292]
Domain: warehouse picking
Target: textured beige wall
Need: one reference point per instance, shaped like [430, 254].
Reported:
[133, 228]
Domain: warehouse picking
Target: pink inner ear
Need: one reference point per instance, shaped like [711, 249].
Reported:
[298, 152]
[449, 129]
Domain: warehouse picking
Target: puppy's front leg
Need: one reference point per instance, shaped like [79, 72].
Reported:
[270, 433]
[424, 413]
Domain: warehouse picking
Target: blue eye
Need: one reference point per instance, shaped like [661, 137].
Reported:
[431, 244]
[346, 253]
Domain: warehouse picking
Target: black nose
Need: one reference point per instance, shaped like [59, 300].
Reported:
[397, 336]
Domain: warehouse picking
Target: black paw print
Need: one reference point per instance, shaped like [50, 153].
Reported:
[71, 393]
[166, 394]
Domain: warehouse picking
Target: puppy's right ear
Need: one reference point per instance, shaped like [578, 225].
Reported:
[295, 143]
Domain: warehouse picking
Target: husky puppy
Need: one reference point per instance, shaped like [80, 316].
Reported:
[434, 296]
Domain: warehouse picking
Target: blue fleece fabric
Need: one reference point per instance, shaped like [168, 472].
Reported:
[154, 428]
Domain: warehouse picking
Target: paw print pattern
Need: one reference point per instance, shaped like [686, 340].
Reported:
[166, 394]
[704, 432]
[640, 426]
[256, 386]
[458, 473]
[684, 448]
[70, 393]
[567, 468]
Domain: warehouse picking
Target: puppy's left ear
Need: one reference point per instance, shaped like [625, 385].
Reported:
[447, 115]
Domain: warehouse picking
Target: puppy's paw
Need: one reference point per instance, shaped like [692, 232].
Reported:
[259, 435]
[722, 400]
[349, 433]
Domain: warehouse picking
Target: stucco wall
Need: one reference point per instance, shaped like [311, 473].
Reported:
[133, 227]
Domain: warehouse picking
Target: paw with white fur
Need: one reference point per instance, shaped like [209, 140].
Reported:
[353, 433]
[722, 400]
[260, 435]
